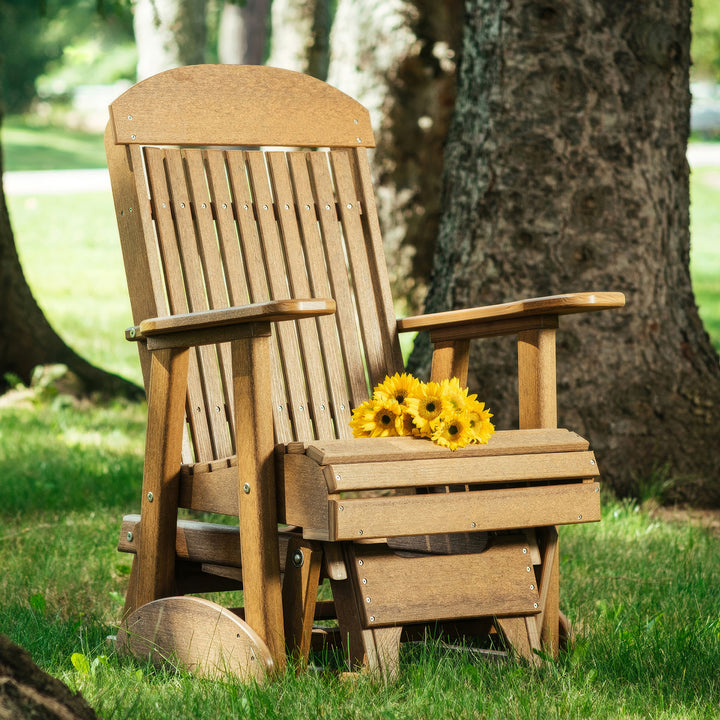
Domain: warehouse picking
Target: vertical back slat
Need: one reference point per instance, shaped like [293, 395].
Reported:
[178, 300]
[216, 386]
[277, 279]
[285, 202]
[320, 287]
[339, 280]
[376, 256]
[187, 233]
[257, 281]
[378, 362]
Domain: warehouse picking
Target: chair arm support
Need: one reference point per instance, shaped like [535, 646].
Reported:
[224, 324]
[508, 318]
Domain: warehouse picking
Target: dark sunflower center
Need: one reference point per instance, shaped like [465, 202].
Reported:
[453, 430]
[385, 419]
[430, 407]
[400, 399]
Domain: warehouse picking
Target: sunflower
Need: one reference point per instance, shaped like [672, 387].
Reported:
[453, 431]
[377, 418]
[481, 428]
[425, 407]
[455, 396]
[398, 387]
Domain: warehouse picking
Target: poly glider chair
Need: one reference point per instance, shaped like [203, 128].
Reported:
[262, 314]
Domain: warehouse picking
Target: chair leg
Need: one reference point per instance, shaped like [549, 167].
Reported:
[257, 504]
[300, 586]
[549, 617]
[153, 574]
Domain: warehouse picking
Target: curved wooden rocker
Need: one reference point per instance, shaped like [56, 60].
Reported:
[262, 314]
[198, 635]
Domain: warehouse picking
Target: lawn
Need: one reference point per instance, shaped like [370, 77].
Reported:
[640, 587]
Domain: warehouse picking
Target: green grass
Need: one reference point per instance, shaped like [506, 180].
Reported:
[641, 591]
[34, 146]
[705, 247]
[70, 254]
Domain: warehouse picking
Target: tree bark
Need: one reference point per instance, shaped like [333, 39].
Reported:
[565, 170]
[26, 338]
[242, 38]
[26, 691]
[301, 36]
[398, 57]
[168, 34]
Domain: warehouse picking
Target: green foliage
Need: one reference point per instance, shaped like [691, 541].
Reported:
[706, 39]
[34, 35]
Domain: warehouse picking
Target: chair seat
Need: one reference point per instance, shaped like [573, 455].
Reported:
[403, 486]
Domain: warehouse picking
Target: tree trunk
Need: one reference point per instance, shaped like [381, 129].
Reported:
[26, 691]
[243, 32]
[565, 170]
[398, 57]
[168, 34]
[301, 36]
[26, 338]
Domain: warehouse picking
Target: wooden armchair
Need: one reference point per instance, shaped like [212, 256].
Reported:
[262, 315]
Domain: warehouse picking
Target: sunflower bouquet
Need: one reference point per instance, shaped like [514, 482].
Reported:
[443, 412]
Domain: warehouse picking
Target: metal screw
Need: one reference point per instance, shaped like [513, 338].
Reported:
[535, 605]
[360, 532]
[341, 508]
[246, 488]
[592, 462]
[131, 332]
[472, 524]
[298, 558]
[150, 497]
[337, 477]
[364, 581]
[532, 587]
[129, 117]
[132, 137]
[597, 489]
[361, 562]
[130, 537]
[527, 568]
[579, 517]
[358, 139]
[182, 205]
[372, 618]
[265, 207]
[224, 206]
[287, 207]
[301, 408]
[349, 206]
[524, 551]
[367, 600]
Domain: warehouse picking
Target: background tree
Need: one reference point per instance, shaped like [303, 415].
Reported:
[242, 35]
[398, 57]
[301, 36]
[565, 170]
[169, 33]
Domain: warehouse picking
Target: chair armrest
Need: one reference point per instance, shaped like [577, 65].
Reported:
[508, 318]
[221, 325]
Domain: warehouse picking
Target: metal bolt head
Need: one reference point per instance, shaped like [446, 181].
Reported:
[298, 558]
[130, 537]
[367, 599]
[372, 618]
[150, 497]
[364, 581]
[360, 532]
[246, 488]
